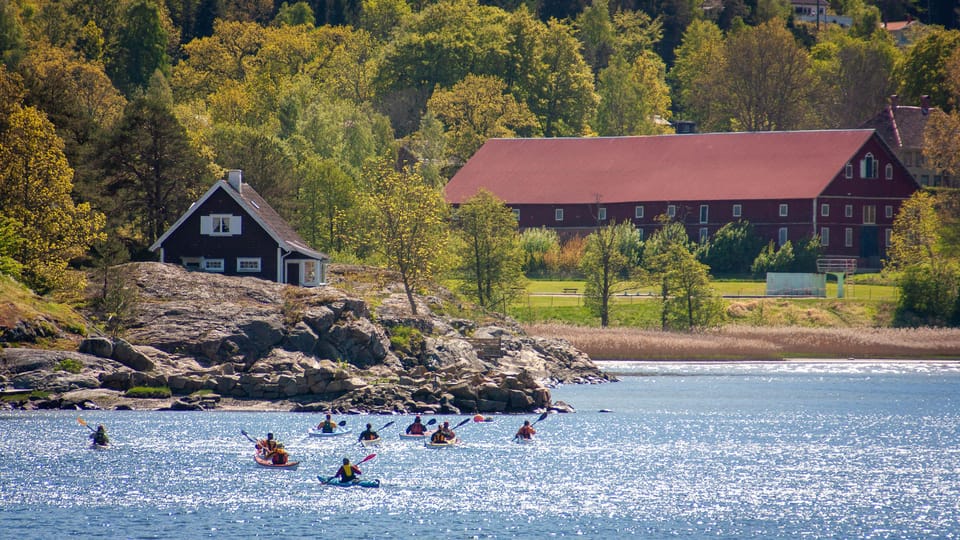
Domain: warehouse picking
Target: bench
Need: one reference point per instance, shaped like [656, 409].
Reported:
[570, 290]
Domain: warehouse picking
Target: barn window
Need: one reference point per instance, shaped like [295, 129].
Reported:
[671, 210]
[868, 166]
[869, 214]
[888, 211]
[704, 235]
[213, 265]
[704, 213]
[516, 214]
[782, 235]
[638, 212]
[558, 214]
[783, 210]
[601, 214]
[825, 209]
[737, 210]
[824, 236]
[848, 237]
[887, 234]
[248, 264]
[848, 170]
[848, 210]
[888, 171]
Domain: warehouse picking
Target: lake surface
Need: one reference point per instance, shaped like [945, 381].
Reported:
[796, 450]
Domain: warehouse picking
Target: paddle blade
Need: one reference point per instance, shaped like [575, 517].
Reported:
[366, 459]
[462, 423]
[432, 421]
[542, 417]
[388, 424]
[81, 421]
[342, 423]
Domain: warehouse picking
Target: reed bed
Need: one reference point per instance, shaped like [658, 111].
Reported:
[757, 343]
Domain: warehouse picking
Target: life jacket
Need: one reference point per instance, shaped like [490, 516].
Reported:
[369, 435]
[416, 428]
[279, 457]
[526, 432]
[348, 473]
[438, 437]
[328, 427]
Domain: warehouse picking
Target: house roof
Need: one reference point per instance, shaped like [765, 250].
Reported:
[261, 212]
[900, 126]
[707, 166]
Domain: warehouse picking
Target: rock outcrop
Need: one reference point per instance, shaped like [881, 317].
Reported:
[316, 349]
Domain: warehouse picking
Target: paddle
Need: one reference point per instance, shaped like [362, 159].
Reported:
[83, 422]
[364, 460]
[542, 417]
[249, 438]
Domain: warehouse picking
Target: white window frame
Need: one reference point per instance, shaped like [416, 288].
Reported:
[825, 209]
[601, 214]
[737, 210]
[782, 235]
[869, 214]
[784, 209]
[887, 235]
[214, 265]
[848, 237]
[848, 210]
[305, 278]
[848, 171]
[638, 212]
[704, 213]
[221, 225]
[249, 264]
[704, 235]
[671, 210]
[192, 263]
[888, 211]
[868, 166]
[888, 171]
[558, 214]
[824, 236]
[516, 214]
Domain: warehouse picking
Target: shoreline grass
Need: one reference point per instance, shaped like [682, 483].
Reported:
[757, 343]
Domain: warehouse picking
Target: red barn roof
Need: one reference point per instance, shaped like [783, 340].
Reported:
[708, 166]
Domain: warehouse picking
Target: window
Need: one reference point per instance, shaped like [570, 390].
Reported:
[869, 214]
[848, 237]
[868, 166]
[640, 232]
[671, 210]
[558, 214]
[704, 235]
[848, 210]
[848, 171]
[704, 213]
[782, 235]
[888, 211]
[213, 265]
[311, 275]
[783, 210]
[601, 214]
[220, 225]
[824, 236]
[825, 209]
[638, 212]
[925, 180]
[248, 264]
[887, 234]
[516, 214]
[888, 171]
[192, 263]
[737, 210]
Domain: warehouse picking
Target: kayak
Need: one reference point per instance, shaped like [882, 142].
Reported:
[314, 432]
[371, 442]
[332, 481]
[95, 446]
[412, 437]
[292, 465]
[446, 444]
[521, 440]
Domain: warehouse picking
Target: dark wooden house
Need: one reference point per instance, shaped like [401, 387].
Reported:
[232, 230]
[844, 185]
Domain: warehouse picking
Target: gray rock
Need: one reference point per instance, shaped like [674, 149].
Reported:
[129, 356]
[97, 346]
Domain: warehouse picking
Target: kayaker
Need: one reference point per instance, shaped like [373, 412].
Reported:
[438, 437]
[417, 427]
[100, 436]
[280, 455]
[448, 433]
[327, 426]
[347, 472]
[526, 431]
[267, 446]
[368, 434]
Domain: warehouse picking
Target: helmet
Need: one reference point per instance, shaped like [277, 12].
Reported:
[269, 436]
[328, 416]
[369, 426]
[346, 461]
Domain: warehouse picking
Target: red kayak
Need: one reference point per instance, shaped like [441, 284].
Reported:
[271, 465]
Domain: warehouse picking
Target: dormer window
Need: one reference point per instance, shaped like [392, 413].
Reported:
[848, 171]
[868, 166]
[220, 225]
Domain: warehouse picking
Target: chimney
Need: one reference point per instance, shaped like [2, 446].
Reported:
[925, 105]
[894, 101]
[235, 179]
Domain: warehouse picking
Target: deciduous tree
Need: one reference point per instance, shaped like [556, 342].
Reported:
[610, 255]
[634, 97]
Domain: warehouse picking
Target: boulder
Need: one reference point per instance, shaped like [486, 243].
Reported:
[129, 356]
[97, 346]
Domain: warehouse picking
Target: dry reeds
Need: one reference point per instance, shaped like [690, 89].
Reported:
[746, 342]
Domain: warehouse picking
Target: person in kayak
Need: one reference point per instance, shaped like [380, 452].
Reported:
[267, 446]
[448, 433]
[327, 426]
[417, 427]
[368, 434]
[347, 472]
[100, 436]
[280, 455]
[526, 431]
[438, 437]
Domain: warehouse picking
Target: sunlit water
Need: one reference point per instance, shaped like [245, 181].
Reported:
[799, 450]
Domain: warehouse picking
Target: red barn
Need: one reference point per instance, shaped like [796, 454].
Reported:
[845, 185]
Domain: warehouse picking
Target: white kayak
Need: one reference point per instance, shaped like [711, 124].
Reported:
[448, 444]
[412, 437]
[314, 432]
[521, 440]
[371, 442]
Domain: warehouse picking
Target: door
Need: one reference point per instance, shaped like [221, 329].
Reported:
[293, 273]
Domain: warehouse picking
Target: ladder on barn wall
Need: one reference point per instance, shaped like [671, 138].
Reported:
[838, 267]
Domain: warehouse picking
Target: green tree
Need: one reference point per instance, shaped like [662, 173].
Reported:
[12, 39]
[490, 256]
[941, 136]
[476, 109]
[773, 259]
[141, 47]
[634, 98]
[923, 68]
[408, 221]
[695, 76]
[298, 13]
[152, 172]
[609, 257]
[596, 31]
[35, 186]
[381, 17]
[567, 102]
[327, 204]
[429, 145]
[656, 259]
[536, 245]
[10, 241]
[732, 248]
[265, 160]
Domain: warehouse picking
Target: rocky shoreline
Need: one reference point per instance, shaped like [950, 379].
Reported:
[219, 342]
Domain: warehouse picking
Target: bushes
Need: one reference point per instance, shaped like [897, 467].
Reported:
[69, 365]
[149, 392]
